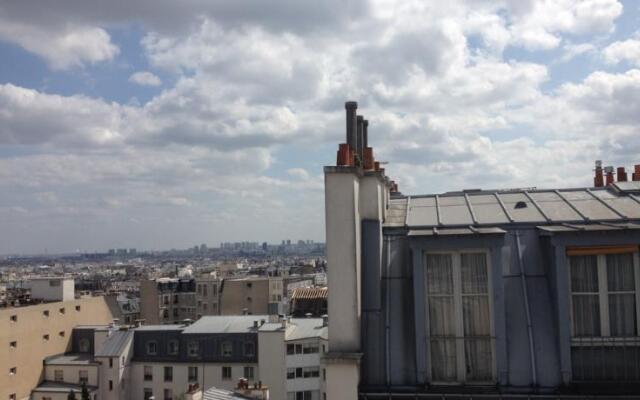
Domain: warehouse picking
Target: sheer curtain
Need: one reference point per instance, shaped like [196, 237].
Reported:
[441, 316]
[584, 295]
[476, 316]
[622, 299]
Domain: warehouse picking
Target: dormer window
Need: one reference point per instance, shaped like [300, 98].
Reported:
[152, 347]
[193, 348]
[227, 349]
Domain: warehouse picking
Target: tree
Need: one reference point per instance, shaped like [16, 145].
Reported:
[71, 395]
[85, 392]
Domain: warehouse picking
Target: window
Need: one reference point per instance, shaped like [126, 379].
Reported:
[13, 370]
[291, 373]
[310, 348]
[248, 372]
[249, 349]
[324, 374]
[61, 333]
[175, 299]
[13, 318]
[13, 344]
[459, 313]
[54, 283]
[45, 313]
[147, 393]
[298, 372]
[45, 337]
[311, 372]
[83, 376]
[58, 375]
[227, 349]
[84, 345]
[12, 396]
[152, 347]
[200, 289]
[110, 362]
[306, 395]
[62, 310]
[175, 313]
[298, 349]
[78, 308]
[291, 349]
[168, 394]
[204, 290]
[193, 348]
[604, 323]
[110, 385]
[173, 347]
[226, 373]
[193, 374]
[165, 300]
[148, 372]
[168, 374]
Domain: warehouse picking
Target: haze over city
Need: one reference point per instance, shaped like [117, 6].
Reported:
[159, 124]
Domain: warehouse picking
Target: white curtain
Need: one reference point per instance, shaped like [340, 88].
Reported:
[476, 316]
[584, 289]
[622, 299]
[442, 326]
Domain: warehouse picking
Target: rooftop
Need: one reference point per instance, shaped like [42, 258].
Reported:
[310, 293]
[616, 204]
[115, 344]
[59, 387]
[69, 359]
[172, 327]
[305, 328]
[225, 324]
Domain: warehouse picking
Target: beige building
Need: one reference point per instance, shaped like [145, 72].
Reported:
[207, 296]
[32, 333]
[167, 300]
[251, 295]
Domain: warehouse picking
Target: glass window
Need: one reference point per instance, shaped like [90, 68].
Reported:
[168, 374]
[152, 347]
[458, 306]
[168, 394]
[249, 349]
[58, 375]
[193, 348]
[291, 373]
[226, 373]
[84, 345]
[147, 393]
[248, 372]
[227, 349]
[173, 347]
[148, 372]
[193, 374]
[291, 349]
[83, 376]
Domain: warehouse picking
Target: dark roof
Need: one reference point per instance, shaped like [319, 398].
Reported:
[115, 344]
[615, 204]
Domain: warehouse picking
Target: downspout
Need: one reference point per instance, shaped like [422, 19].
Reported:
[523, 282]
[387, 316]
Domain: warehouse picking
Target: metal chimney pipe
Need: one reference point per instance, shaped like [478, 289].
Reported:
[352, 139]
[365, 134]
[360, 124]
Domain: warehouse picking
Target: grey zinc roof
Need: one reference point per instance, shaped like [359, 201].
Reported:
[172, 327]
[115, 344]
[225, 324]
[305, 328]
[69, 359]
[221, 394]
[619, 203]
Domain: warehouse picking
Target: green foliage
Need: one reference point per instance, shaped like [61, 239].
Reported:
[71, 395]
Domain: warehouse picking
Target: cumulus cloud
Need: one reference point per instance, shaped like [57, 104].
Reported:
[623, 51]
[145, 78]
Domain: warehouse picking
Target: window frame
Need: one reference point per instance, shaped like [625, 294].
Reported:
[603, 300]
[148, 345]
[461, 372]
[224, 375]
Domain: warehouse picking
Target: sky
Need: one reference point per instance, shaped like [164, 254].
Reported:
[161, 124]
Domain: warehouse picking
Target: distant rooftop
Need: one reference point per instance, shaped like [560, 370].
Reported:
[70, 359]
[306, 328]
[115, 344]
[172, 327]
[225, 324]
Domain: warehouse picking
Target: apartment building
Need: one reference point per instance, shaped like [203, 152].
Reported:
[306, 341]
[33, 333]
[207, 295]
[252, 295]
[167, 300]
[479, 292]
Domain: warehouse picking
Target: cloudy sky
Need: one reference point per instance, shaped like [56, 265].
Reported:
[158, 124]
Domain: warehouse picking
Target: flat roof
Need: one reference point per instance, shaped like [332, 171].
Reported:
[59, 387]
[306, 328]
[172, 327]
[225, 324]
[70, 359]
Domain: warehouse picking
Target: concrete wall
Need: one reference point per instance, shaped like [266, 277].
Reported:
[118, 373]
[272, 368]
[52, 289]
[149, 302]
[251, 294]
[28, 333]
[71, 373]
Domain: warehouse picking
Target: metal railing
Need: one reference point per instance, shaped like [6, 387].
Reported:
[605, 359]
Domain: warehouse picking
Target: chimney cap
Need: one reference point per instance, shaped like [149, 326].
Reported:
[351, 105]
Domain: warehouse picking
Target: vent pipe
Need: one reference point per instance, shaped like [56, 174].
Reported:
[360, 133]
[598, 180]
[352, 129]
[622, 174]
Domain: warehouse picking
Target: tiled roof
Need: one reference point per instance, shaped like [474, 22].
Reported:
[310, 293]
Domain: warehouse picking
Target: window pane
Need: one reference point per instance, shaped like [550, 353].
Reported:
[584, 274]
[478, 359]
[475, 310]
[443, 360]
[622, 314]
[439, 274]
[620, 272]
[441, 316]
[586, 315]
[473, 267]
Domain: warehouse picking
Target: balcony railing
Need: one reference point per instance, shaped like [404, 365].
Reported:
[605, 359]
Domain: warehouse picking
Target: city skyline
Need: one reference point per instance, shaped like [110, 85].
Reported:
[153, 125]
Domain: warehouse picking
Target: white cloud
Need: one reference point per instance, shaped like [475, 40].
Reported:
[145, 78]
[62, 47]
[626, 50]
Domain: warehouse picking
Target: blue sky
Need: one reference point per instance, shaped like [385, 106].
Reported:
[157, 124]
